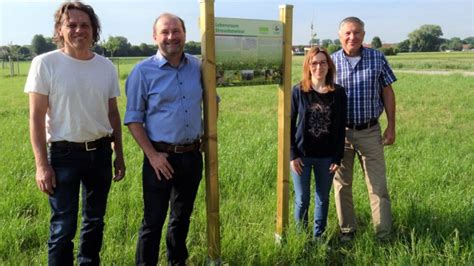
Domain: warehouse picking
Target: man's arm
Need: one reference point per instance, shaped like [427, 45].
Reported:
[114, 118]
[157, 159]
[389, 104]
[45, 176]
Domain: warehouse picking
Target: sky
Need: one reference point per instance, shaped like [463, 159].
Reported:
[390, 20]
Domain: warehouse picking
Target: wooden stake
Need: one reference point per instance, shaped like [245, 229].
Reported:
[210, 128]
[284, 94]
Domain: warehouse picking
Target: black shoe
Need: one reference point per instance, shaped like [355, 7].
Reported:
[176, 263]
[346, 237]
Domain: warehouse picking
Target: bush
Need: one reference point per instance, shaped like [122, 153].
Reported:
[388, 51]
[333, 48]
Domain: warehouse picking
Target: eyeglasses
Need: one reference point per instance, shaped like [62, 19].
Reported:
[320, 63]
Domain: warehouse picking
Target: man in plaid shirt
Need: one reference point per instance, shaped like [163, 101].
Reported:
[367, 78]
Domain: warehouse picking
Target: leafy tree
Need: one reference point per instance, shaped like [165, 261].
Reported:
[333, 48]
[193, 47]
[470, 41]
[404, 46]
[314, 41]
[124, 46]
[147, 49]
[376, 42]
[134, 51]
[14, 51]
[98, 48]
[388, 50]
[40, 44]
[50, 44]
[455, 44]
[337, 42]
[24, 53]
[426, 38]
[444, 47]
[4, 52]
[326, 42]
[111, 45]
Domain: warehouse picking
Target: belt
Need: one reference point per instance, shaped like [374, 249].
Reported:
[84, 146]
[372, 122]
[171, 148]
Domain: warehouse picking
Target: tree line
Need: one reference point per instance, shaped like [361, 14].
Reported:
[425, 39]
[114, 46]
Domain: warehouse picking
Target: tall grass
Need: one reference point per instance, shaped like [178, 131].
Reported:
[430, 173]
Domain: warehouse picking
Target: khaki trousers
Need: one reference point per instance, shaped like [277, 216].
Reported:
[367, 144]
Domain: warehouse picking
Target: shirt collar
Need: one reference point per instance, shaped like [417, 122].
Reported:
[162, 61]
[362, 52]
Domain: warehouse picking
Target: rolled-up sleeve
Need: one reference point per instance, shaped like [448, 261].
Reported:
[136, 91]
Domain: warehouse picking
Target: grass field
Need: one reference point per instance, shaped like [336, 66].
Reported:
[433, 61]
[430, 172]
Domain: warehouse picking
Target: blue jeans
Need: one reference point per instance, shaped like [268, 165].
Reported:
[178, 194]
[302, 185]
[74, 168]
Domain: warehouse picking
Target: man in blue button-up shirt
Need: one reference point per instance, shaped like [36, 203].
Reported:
[367, 78]
[164, 115]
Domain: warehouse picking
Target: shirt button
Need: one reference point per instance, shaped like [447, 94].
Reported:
[184, 97]
[187, 125]
[185, 111]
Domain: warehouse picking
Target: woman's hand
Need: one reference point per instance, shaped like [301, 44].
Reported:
[297, 166]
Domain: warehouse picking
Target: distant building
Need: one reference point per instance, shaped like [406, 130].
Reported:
[467, 47]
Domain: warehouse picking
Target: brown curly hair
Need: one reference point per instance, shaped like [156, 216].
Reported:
[62, 13]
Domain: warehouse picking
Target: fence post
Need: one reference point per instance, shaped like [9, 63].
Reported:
[284, 94]
[118, 67]
[210, 129]
[12, 69]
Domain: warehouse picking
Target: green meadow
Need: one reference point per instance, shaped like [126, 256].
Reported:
[430, 172]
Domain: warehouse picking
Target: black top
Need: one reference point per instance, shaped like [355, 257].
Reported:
[318, 123]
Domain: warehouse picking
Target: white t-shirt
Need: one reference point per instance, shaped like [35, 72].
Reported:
[78, 93]
[353, 60]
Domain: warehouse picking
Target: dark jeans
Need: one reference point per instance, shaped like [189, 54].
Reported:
[74, 168]
[179, 193]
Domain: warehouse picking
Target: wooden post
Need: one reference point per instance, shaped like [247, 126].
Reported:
[118, 67]
[284, 95]
[210, 128]
[12, 66]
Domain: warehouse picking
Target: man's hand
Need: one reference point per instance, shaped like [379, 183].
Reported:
[333, 168]
[46, 179]
[161, 165]
[119, 169]
[388, 136]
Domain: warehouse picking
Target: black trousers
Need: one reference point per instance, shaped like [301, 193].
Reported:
[178, 194]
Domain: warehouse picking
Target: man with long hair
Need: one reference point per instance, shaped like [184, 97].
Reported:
[74, 127]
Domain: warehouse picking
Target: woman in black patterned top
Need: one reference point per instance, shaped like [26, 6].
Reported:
[318, 115]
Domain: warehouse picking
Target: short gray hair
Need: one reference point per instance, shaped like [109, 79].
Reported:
[355, 20]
